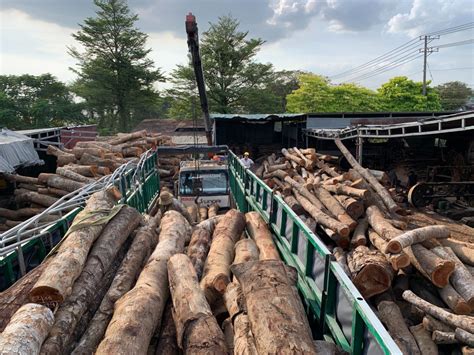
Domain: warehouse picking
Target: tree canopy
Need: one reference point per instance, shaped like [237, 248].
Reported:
[453, 95]
[29, 101]
[317, 94]
[115, 75]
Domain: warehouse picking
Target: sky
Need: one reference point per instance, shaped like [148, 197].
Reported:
[327, 37]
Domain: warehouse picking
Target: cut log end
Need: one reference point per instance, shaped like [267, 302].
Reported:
[440, 275]
[373, 281]
[46, 295]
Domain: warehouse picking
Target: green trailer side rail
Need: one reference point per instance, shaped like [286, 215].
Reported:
[139, 188]
[335, 307]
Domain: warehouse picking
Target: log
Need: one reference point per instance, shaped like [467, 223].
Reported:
[397, 260]
[200, 243]
[434, 268]
[354, 208]
[303, 191]
[35, 197]
[293, 204]
[392, 318]
[293, 157]
[55, 284]
[84, 170]
[213, 210]
[426, 290]
[193, 212]
[62, 183]
[358, 237]
[138, 313]
[128, 137]
[228, 330]
[72, 175]
[103, 170]
[382, 226]
[196, 328]
[88, 159]
[370, 271]
[99, 261]
[444, 338]
[26, 330]
[53, 191]
[142, 245]
[463, 252]
[21, 179]
[431, 324]
[464, 337]
[333, 205]
[266, 286]
[167, 336]
[65, 159]
[342, 229]
[454, 320]
[347, 190]
[20, 214]
[245, 250]
[216, 274]
[202, 213]
[423, 339]
[395, 245]
[280, 174]
[260, 233]
[461, 278]
[272, 168]
[341, 258]
[454, 301]
[381, 191]
[29, 187]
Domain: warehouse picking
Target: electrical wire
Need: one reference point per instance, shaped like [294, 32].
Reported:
[454, 44]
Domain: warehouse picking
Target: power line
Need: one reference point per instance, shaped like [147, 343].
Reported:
[454, 44]
[450, 30]
[446, 69]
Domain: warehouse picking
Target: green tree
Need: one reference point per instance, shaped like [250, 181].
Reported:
[403, 94]
[29, 101]
[316, 94]
[232, 75]
[453, 95]
[115, 73]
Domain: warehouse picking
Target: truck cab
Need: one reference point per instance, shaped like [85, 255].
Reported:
[203, 182]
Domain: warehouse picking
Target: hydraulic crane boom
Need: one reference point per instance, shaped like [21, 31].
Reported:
[193, 45]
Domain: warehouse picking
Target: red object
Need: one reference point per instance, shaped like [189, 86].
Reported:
[71, 135]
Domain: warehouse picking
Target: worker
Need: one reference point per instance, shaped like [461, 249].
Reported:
[168, 202]
[246, 161]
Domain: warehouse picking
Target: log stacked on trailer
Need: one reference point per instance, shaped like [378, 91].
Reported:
[127, 284]
[383, 247]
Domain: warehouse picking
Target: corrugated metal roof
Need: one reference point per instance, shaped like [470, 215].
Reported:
[258, 116]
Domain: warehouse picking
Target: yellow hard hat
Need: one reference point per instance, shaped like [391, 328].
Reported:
[246, 154]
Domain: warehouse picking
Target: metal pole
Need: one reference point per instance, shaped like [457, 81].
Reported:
[360, 149]
[425, 56]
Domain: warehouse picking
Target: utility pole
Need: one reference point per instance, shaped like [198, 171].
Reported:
[426, 52]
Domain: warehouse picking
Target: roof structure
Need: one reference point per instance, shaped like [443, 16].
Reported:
[16, 150]
[258, 116]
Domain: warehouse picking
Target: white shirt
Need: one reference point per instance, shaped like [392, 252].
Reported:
[246, 162]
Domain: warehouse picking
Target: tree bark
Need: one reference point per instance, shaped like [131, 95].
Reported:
[35, 197]
[341, 258]
[127, 137]
[381, 191]
[444, 338]
[303, 191]
[395, 245]
[434, 268]
[454, 320]
[347, 190]
[55, 284]
[21, 179]
[193, 212]
[293, 204]
[333, 205]
[431, 324]
[260, 233]
[99, 261]
[275, 167]
[322, 218]
[464, 337]
[461, 278]
[142, 245]
[462, 250]
[213, 210]
[20, 214]
[72, 175]
[167, 337]
[78, 152]
[196, 328]
[382, 226]
[293, 157]
[359, 235]
[202, 213]
[245, 250]
[216, 274]
[267, 286]
[62, 183]
[84, 170]
[27, 330]
[354, 208]
[454, 301]
[53, 191]
[138, 313]
[423, 338]
[397, 260]
[370, 271]
[200, 243]
[390, 315]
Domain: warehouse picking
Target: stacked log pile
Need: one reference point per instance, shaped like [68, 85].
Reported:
[384, 248]
[114, 286]
[76, 167]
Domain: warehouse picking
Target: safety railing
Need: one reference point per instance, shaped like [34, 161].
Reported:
[22, 246]
[335, 307]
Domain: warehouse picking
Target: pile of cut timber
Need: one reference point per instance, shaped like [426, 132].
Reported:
[76, 167]
[115, 287]
[382, 247]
